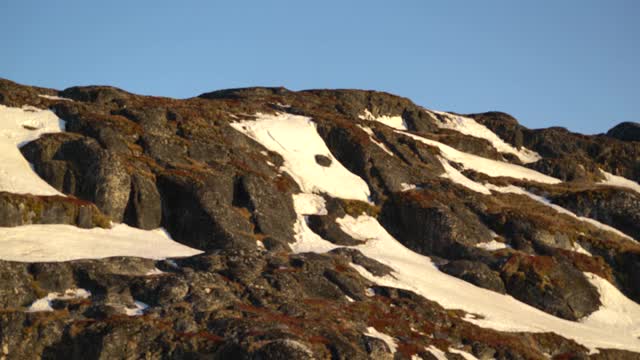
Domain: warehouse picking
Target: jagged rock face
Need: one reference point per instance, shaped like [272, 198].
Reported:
[570, 156]
[618, 208]
[179, 164]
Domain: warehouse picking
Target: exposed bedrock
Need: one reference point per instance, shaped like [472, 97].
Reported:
[157, 162]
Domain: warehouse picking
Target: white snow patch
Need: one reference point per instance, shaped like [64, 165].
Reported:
[462, 353]
[53, 97]
[297, 140]
[469, 126]
[154, 272]
[407, 187]
[457, 177]
[309, 204]
[19, 126]
[517, 190]
[437, 353]
[619, 181]
[417, 273]
[395, 122]
[492, 245]
[138, 310]
[579, 249]
[483, 165]
[369, 292]
[44, 304]
[617, 313]
[307, 240]
[284, 106]
[52, 243]
[390, 341]
[372, 137]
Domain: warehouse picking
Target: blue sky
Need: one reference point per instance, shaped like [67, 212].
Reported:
[567, 63]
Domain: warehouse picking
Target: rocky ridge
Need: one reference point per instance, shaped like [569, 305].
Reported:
[568, 216]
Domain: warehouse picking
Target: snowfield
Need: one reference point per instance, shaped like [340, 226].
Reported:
[457, 177]
[19, 126]
[483, 165]
[52, 243]
[395, 122]
[619, 181]
[469, 126]
[296, 139]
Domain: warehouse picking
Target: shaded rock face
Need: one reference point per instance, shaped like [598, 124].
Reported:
[79, 166]
[178, 164]
[615, 207]
[626, 131]
[429, 223]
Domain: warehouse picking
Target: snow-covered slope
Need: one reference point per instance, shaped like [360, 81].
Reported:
[49, 243]
[619, 181]
[17, 127]
[297, 140]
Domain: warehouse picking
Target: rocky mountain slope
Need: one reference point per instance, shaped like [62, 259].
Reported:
[263, 223]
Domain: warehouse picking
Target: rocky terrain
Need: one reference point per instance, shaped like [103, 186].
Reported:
[321, 224]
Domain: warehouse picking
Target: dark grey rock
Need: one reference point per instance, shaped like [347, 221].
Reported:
[16, 288]
[476, 273]
[553, 286]
[144, 209]
[626, 131]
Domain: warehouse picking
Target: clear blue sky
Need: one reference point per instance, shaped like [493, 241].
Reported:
[571, 63]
